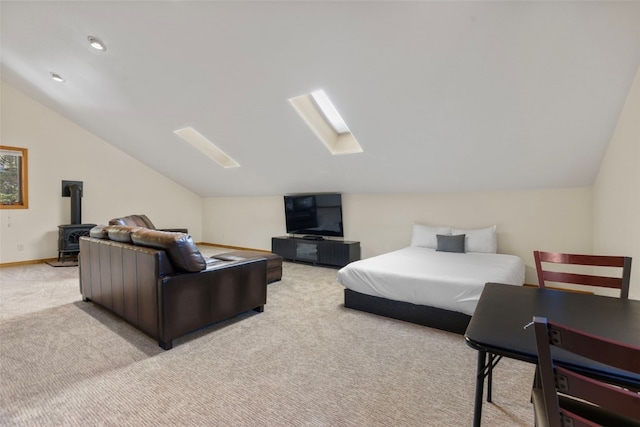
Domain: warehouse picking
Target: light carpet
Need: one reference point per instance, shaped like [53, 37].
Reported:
[305, 361]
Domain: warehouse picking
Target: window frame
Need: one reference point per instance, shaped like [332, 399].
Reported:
[24, 181]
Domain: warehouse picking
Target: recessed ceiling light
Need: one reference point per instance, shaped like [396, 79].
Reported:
[57, 77]
[96, 43]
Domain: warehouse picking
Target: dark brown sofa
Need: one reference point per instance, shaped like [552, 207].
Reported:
[159, 282]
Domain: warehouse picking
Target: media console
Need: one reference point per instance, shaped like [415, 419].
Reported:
[337, 253]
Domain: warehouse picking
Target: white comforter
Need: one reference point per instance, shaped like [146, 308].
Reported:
[451, 281]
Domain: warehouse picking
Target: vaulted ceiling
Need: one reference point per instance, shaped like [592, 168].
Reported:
[442, 96]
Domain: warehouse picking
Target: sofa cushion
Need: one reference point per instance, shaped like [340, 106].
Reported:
[182, 252]
[99, 232]
[135, 220]
[121, 233]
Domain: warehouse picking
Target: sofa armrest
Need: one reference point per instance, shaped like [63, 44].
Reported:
[188, 302]
[124, 279]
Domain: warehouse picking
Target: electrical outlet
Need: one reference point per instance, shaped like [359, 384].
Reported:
[20, 247]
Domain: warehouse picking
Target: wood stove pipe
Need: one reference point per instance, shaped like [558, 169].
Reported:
[73, 189]
[76, 203]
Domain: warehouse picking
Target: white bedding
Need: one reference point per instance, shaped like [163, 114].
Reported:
[423, 276]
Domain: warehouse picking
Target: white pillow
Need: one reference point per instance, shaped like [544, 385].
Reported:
[425, 236]
[479, 240]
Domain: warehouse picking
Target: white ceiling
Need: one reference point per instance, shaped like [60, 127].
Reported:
[442, 96]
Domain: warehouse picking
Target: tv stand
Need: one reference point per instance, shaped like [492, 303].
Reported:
[335, 253]
[313, 238]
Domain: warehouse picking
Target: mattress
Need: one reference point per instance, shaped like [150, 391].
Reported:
[423, 276]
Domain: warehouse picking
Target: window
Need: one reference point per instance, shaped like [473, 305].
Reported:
[13, 178]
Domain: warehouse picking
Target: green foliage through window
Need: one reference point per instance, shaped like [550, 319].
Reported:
[13, 177]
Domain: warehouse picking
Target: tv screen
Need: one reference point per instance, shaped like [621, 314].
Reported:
[314, 214]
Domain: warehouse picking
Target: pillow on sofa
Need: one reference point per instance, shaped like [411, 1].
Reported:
[120, 233]
[450, 243]
[99, 232]
[480, 240]
[134, 220]
[182, 252]
[425, 236]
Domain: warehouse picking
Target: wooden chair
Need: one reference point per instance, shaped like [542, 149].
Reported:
[621, 283]
[562, 397]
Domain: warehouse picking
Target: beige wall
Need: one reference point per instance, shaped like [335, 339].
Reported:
[247, 222]
[616, 192]
[557, 220]
[115, 184]
[603, 219]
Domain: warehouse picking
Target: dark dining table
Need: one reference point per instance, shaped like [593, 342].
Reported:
[498, 328]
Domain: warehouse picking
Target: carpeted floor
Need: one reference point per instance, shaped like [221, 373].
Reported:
[305, 361]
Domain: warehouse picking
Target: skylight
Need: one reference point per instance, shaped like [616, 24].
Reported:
[194, 138]
[329, 111]
[319, 113]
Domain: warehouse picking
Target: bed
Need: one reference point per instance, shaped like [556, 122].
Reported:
[429, 284]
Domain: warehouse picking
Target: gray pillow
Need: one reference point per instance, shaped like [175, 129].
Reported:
[450, 243]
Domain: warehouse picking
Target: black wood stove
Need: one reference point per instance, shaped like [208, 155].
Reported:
[69, 234]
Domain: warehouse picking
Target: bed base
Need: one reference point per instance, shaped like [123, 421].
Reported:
[433, 317]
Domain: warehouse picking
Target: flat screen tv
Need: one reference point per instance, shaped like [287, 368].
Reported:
[314, 214]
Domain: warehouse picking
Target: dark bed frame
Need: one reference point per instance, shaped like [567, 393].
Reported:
[433, 317]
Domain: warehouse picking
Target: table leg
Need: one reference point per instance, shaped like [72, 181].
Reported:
[490, 377]
[492, 363]
[480, 374]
